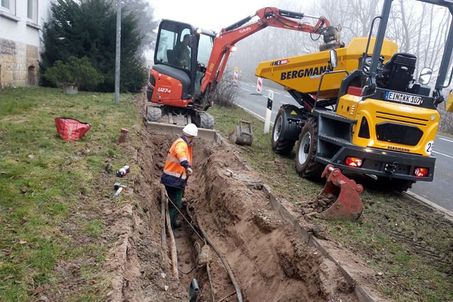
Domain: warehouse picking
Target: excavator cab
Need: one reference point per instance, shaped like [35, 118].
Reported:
[180, 57]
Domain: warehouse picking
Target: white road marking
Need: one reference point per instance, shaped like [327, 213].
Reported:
[445, 139]
[443, 154]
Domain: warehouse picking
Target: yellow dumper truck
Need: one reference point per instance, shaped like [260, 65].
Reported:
[361, 110]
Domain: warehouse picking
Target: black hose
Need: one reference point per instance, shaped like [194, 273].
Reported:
[191, 270]
[289, 14]
[239, 23]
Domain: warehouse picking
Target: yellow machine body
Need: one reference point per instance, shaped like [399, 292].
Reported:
[378, 112]
[303, 73]
[388, 133]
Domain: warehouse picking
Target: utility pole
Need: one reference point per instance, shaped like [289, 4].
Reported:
[118, 52]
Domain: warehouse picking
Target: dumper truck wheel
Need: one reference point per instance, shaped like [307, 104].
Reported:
[306, 165]
[153, 114]
[206, 120]
[280, 144]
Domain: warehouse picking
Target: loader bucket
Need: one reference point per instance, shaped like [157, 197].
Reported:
[343, 192]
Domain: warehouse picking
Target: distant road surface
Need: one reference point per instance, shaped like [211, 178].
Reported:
[440, 191]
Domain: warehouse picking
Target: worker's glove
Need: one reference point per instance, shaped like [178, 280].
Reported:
[189, 171]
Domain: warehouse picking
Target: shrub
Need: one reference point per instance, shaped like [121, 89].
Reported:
[82, 28]
[77, 72]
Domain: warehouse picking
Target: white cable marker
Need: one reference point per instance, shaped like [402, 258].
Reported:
[267, 117]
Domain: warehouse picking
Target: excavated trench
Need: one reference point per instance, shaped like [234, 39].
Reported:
[268, 258]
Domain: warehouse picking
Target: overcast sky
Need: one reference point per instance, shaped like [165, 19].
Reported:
[206, 14]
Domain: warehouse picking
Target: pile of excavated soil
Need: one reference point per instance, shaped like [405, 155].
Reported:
[269, 259]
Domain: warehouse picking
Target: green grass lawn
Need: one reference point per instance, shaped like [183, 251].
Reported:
[48, 190]
[411, 246]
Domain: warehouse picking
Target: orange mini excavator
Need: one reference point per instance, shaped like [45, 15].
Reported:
[179, 88]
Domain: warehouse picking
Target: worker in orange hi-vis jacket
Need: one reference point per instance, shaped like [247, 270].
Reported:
[177, 169]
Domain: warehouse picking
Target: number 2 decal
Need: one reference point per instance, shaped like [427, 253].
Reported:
[429, 147]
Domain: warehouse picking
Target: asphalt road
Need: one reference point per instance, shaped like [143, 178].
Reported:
[440, 191]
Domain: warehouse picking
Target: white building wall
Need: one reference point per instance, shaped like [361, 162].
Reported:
[20, 42]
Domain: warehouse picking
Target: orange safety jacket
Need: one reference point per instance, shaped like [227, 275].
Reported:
[179, 157]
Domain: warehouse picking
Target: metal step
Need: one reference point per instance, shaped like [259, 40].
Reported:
[323, 160]
[334, 140]
[333, 116]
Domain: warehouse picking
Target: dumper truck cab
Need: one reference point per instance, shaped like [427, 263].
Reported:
[362, 111]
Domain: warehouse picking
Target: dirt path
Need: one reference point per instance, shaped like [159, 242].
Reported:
[269, 259]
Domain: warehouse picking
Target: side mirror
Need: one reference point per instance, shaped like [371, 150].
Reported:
[333, 58]
[449, 102]
[425, 75]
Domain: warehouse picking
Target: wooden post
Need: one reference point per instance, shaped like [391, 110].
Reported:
[163, 239]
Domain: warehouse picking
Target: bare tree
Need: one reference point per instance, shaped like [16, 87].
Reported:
[417, 28]
[143, 13]
[272, 43]
[354, 15]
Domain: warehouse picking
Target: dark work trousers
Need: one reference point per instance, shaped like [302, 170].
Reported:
[175, 195]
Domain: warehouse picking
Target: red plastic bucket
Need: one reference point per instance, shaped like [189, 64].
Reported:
[71, 129]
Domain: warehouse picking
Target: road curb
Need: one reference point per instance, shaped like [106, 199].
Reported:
[256, 115]
[429, 204]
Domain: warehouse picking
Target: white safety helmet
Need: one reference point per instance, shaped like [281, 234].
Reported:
[190, 130]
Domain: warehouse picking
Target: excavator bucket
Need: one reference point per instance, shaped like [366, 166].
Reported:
[340, 198]
[163, 121]
[207, 134]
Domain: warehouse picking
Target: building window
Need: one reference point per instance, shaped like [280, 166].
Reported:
[8, 6]
[32, 10]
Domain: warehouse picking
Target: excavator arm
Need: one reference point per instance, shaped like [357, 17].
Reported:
[268, 16]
